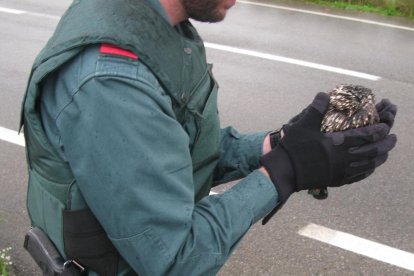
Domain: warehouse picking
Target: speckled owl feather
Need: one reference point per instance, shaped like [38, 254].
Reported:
[350, 106]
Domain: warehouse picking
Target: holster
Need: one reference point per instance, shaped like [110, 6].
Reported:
[86, 242]
[47, 257]
[87, 247]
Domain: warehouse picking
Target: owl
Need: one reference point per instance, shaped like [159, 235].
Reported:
[350, 106]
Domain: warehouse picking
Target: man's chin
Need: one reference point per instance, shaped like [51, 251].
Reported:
[212, 18]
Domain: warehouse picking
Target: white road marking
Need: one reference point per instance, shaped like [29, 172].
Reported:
[360, 246]
[328, 15]
[11, 136]
[292, 61]
[249, 52]
[13, 11]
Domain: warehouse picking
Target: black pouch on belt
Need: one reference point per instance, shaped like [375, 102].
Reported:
[87, 243]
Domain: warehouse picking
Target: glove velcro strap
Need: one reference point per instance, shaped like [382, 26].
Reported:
[281, 172]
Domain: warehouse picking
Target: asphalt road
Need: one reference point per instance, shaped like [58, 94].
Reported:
[261, 90]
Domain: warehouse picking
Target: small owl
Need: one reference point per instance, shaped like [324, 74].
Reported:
[350, 106]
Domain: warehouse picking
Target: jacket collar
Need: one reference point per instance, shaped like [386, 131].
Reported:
[156, 5]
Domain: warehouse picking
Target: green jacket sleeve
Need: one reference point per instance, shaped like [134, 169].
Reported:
[132, 163]
[239, 154]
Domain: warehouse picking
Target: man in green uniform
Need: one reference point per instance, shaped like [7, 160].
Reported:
[124, 144]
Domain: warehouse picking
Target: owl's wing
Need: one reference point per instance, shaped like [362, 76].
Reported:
[366, 115]
[335, 121]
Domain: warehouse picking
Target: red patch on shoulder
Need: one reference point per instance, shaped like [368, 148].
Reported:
[107, 48]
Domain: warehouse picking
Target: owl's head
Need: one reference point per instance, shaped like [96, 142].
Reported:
[350, 97]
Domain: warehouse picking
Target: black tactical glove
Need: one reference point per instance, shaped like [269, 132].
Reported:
[306, 158]
[386, 111]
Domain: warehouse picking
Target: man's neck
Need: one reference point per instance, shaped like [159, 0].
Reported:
[174, 10]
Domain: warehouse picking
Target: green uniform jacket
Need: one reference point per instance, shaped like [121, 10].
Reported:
[138, 141]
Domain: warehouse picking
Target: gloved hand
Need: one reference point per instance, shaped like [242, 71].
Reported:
[386, 111]
[306, 158]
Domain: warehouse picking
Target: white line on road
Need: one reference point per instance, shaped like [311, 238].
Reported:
[13, 11]
[328, 15]
[360, 246]
[292, 61]
[11, 136]
[251, 53]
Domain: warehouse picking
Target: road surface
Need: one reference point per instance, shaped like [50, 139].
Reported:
[270, 61]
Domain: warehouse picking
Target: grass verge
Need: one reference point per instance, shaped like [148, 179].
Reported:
[392, 10]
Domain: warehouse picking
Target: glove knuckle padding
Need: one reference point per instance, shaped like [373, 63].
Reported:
[363, 152]
[358, 169]
[358, 140]
[357, 177]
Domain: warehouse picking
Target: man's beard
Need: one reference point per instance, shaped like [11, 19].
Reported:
[203, 10]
